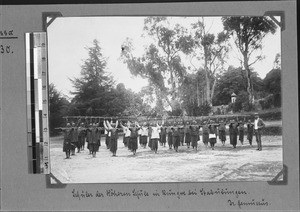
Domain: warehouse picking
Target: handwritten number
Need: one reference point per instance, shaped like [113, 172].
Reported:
[5, 49]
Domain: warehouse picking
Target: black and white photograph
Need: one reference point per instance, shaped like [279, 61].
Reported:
[149, 106]
[136, 99]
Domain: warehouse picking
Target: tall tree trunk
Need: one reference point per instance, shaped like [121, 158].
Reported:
[198, 94]
[165, 96]
[249, 81]
[213, 89]
[172, 80]
[208, 99]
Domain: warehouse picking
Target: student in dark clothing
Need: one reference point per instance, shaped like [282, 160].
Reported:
[194, 130]
[93, 139]
[67, 145]
[133, 137]
[176, 137]
[170, 135]
[163, 135]
[181, 133]
[149, 135]
[222, 131]
[98, 135]
[74, 138]
[187, 134]
[250, 129]
[241, 131]
[205, 133]
[233, 132]
[107, 138]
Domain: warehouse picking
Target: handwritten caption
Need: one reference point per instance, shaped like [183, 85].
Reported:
[6, 35]
[232, 196]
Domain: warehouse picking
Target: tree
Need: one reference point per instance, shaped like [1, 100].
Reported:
[161, 64]
[58, 106]
[94, 93]
[212, 50]
[277, 62]
[192, 94]
[234, 80]
[131, 102]
[272, 81]
[272, 84]
[248, 33]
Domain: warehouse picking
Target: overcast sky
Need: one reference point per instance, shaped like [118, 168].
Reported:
[68, 37]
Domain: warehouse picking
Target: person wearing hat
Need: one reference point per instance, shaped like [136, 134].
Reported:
[205, 133]
[112, 129]
[250, 129]
[222, 131]
[258, 126]
[187, 134]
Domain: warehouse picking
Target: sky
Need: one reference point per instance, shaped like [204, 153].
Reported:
[69, 37]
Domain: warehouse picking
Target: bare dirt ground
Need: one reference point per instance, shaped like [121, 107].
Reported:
[222, 164]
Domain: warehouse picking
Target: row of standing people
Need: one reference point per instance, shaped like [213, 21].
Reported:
[175, 134]
[76, 135]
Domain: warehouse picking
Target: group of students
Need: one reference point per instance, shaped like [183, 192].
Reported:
[175, 134]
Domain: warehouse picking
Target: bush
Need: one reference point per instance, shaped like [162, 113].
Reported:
[277, 100]
[271, 115]
[267, 102]
[273, 100]
[242, 103]
[268, 130]
[272, 130]
[175, 112]
[204, 109]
